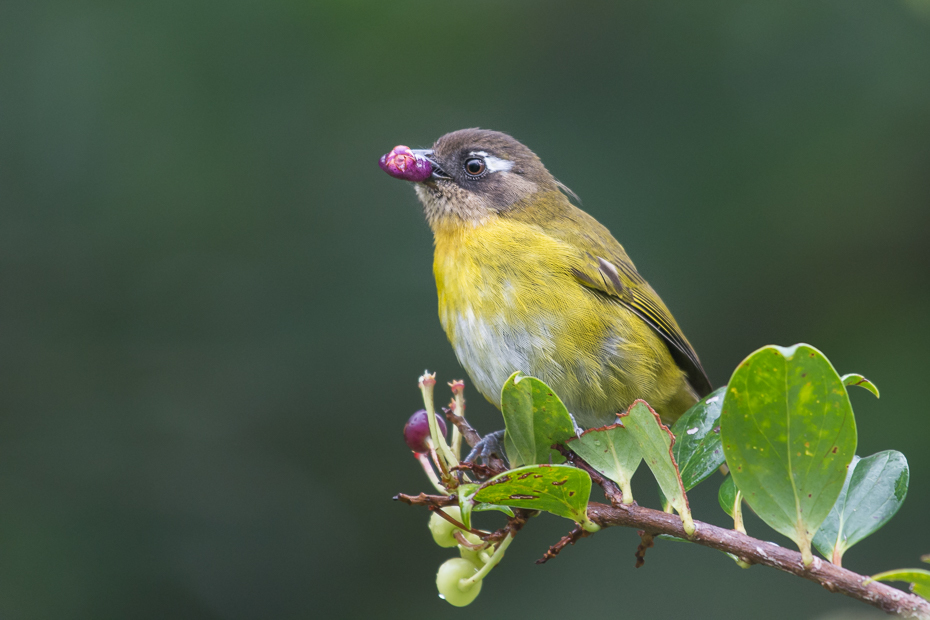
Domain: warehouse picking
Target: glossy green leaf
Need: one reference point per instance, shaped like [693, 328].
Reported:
[856, 379]
[655, 444]
[875, 488]
[788, 435]
[560, 489]
[613, 452]
[727, 495]
[917, 577]
[697, 448]
[534, 419]
[467, 503]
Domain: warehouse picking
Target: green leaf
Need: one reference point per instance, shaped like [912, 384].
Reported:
[731, 500]
[613, 452]
[466, 493]
[727, 495]
[917, 577]
[486, 507]
[467, 504]
[875, 488]
[655, 443]
[534, 419]
[788, 434]
[560, 489]
[856, 379]
[697, 448]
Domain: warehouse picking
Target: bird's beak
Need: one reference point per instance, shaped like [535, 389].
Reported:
[427, 154]
[409, 165]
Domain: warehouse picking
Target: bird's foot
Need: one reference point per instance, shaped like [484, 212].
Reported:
[491, 445]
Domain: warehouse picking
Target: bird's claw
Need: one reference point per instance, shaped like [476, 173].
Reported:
[490, 445]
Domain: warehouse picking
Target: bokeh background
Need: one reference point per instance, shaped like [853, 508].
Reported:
[214, 306]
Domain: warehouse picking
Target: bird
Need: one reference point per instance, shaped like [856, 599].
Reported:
[527, 281]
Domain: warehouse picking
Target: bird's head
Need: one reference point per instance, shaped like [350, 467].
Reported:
[470, 175]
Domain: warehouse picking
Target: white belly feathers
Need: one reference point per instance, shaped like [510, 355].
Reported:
[490, 350]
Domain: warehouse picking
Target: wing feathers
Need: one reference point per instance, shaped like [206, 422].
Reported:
[636, 295]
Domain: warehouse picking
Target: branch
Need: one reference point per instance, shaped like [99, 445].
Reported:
[611, 490]
[831, 577]
[646, 541]
[427, 500]
[752, 550]
[469, 434]
[458, 524]
[569, 539]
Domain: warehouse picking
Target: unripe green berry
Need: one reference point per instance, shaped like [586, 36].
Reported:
[442, 530]
[473, 555]
[448, 582]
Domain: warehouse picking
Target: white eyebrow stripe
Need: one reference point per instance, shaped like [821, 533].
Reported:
[494, 164]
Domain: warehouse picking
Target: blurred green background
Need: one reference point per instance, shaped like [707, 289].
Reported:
[215, 306]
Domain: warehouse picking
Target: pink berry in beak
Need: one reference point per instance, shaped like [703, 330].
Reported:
[402, 163]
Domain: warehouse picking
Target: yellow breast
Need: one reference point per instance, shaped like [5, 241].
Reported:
[508, 301]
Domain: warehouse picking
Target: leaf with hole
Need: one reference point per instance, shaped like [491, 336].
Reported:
[534, 419]
[560, 489]
[655, 444]
[874, 490]
[613, 452]
[788, 434]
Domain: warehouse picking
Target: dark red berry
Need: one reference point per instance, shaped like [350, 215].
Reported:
[416, 430]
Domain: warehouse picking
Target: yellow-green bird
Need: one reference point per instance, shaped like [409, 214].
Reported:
[528, 281]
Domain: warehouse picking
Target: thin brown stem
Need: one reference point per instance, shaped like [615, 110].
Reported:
[569, 539]
[456, 522]
[647, 541]
[611, 490]
[469, 434]
[427, 500]
[459, 536]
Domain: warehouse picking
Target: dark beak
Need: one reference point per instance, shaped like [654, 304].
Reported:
[427, 154]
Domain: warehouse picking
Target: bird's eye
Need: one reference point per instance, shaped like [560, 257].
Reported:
[474, 167]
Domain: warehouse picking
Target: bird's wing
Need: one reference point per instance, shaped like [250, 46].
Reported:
[601, 264]
[619, 281]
